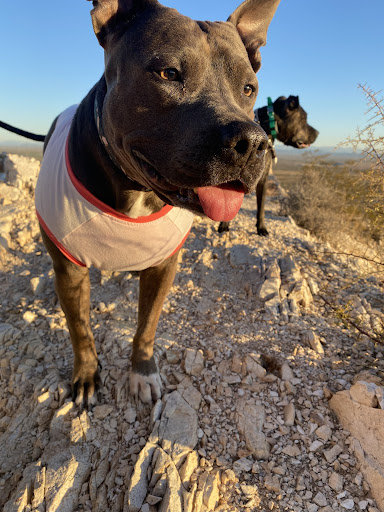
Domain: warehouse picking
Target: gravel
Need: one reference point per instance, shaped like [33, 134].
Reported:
[249, 355]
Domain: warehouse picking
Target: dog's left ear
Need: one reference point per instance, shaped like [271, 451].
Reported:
[252, 19]
[293, 102]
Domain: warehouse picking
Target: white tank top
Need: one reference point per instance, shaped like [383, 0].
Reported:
[89, 232]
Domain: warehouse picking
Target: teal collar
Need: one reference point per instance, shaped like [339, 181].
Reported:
[271, 119]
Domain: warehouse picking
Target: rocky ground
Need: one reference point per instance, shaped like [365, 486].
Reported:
[270, 403]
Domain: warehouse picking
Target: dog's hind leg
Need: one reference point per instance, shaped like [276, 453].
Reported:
[261, 192]
[223, 227]
[155, 283]
[73, 290]
[260, 198]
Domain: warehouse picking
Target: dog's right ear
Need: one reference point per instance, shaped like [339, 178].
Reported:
[252, 19]
[108, 15]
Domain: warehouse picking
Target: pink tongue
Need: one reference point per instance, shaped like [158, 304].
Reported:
[221, 203]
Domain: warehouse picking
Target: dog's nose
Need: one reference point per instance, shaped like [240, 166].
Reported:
[315, 134]
[242, 138]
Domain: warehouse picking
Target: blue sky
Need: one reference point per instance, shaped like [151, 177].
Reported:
[317, 49]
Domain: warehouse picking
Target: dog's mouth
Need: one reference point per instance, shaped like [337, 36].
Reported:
[301, 144]
[218, 202]
[221, 202]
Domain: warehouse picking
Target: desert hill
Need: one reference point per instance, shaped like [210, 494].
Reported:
[270, 402]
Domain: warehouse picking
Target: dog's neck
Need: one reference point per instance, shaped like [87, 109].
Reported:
[267, 119]
[108, 182]
[133, 185]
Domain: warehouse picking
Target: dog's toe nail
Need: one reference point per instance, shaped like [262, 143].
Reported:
[92, 400]
[145, 394]
[78, 395]
[156, 393]
[147, 387]
[133, 384]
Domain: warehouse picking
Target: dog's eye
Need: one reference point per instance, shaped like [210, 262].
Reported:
[249, 90]
[170, 74]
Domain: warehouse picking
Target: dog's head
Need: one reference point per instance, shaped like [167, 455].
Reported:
[291, 118]
[178, 105]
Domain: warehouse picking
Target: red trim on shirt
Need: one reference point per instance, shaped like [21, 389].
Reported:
[181, 244]
[58, 244]
[104, 207]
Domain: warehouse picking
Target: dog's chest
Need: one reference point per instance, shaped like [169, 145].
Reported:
[139, 207]
[89, 232]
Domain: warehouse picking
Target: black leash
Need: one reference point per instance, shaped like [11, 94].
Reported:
[23, 133]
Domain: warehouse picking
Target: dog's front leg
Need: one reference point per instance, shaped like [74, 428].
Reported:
[73, 290]
[155, 283]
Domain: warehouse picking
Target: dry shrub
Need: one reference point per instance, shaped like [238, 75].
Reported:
[370, 140]
[344, 205]
[337, 202]
[318, 201]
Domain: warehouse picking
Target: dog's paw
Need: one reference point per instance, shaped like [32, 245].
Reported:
[223, 227]
[146, 387]
[262, 231]
[86, 389]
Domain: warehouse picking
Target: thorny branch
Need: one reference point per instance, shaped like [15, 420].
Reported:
[373, 336]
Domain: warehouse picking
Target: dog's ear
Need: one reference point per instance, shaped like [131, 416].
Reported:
[252, 19]
[293, 102]
[107, 15]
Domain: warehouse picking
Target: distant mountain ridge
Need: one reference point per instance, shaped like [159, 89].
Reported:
[284, 153]
[20, 144]
[321, 150]
[280, 147]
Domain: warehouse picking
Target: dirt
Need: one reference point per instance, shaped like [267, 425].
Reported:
[249, 354]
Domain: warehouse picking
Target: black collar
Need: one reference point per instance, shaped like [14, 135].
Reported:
[133, 185]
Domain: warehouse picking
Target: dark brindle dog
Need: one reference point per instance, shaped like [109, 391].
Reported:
[167, 132]
[285, 121]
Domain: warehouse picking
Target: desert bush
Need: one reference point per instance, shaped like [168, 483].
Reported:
[344, 205]
[319, 200]
[331, 200]
[370, 140]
